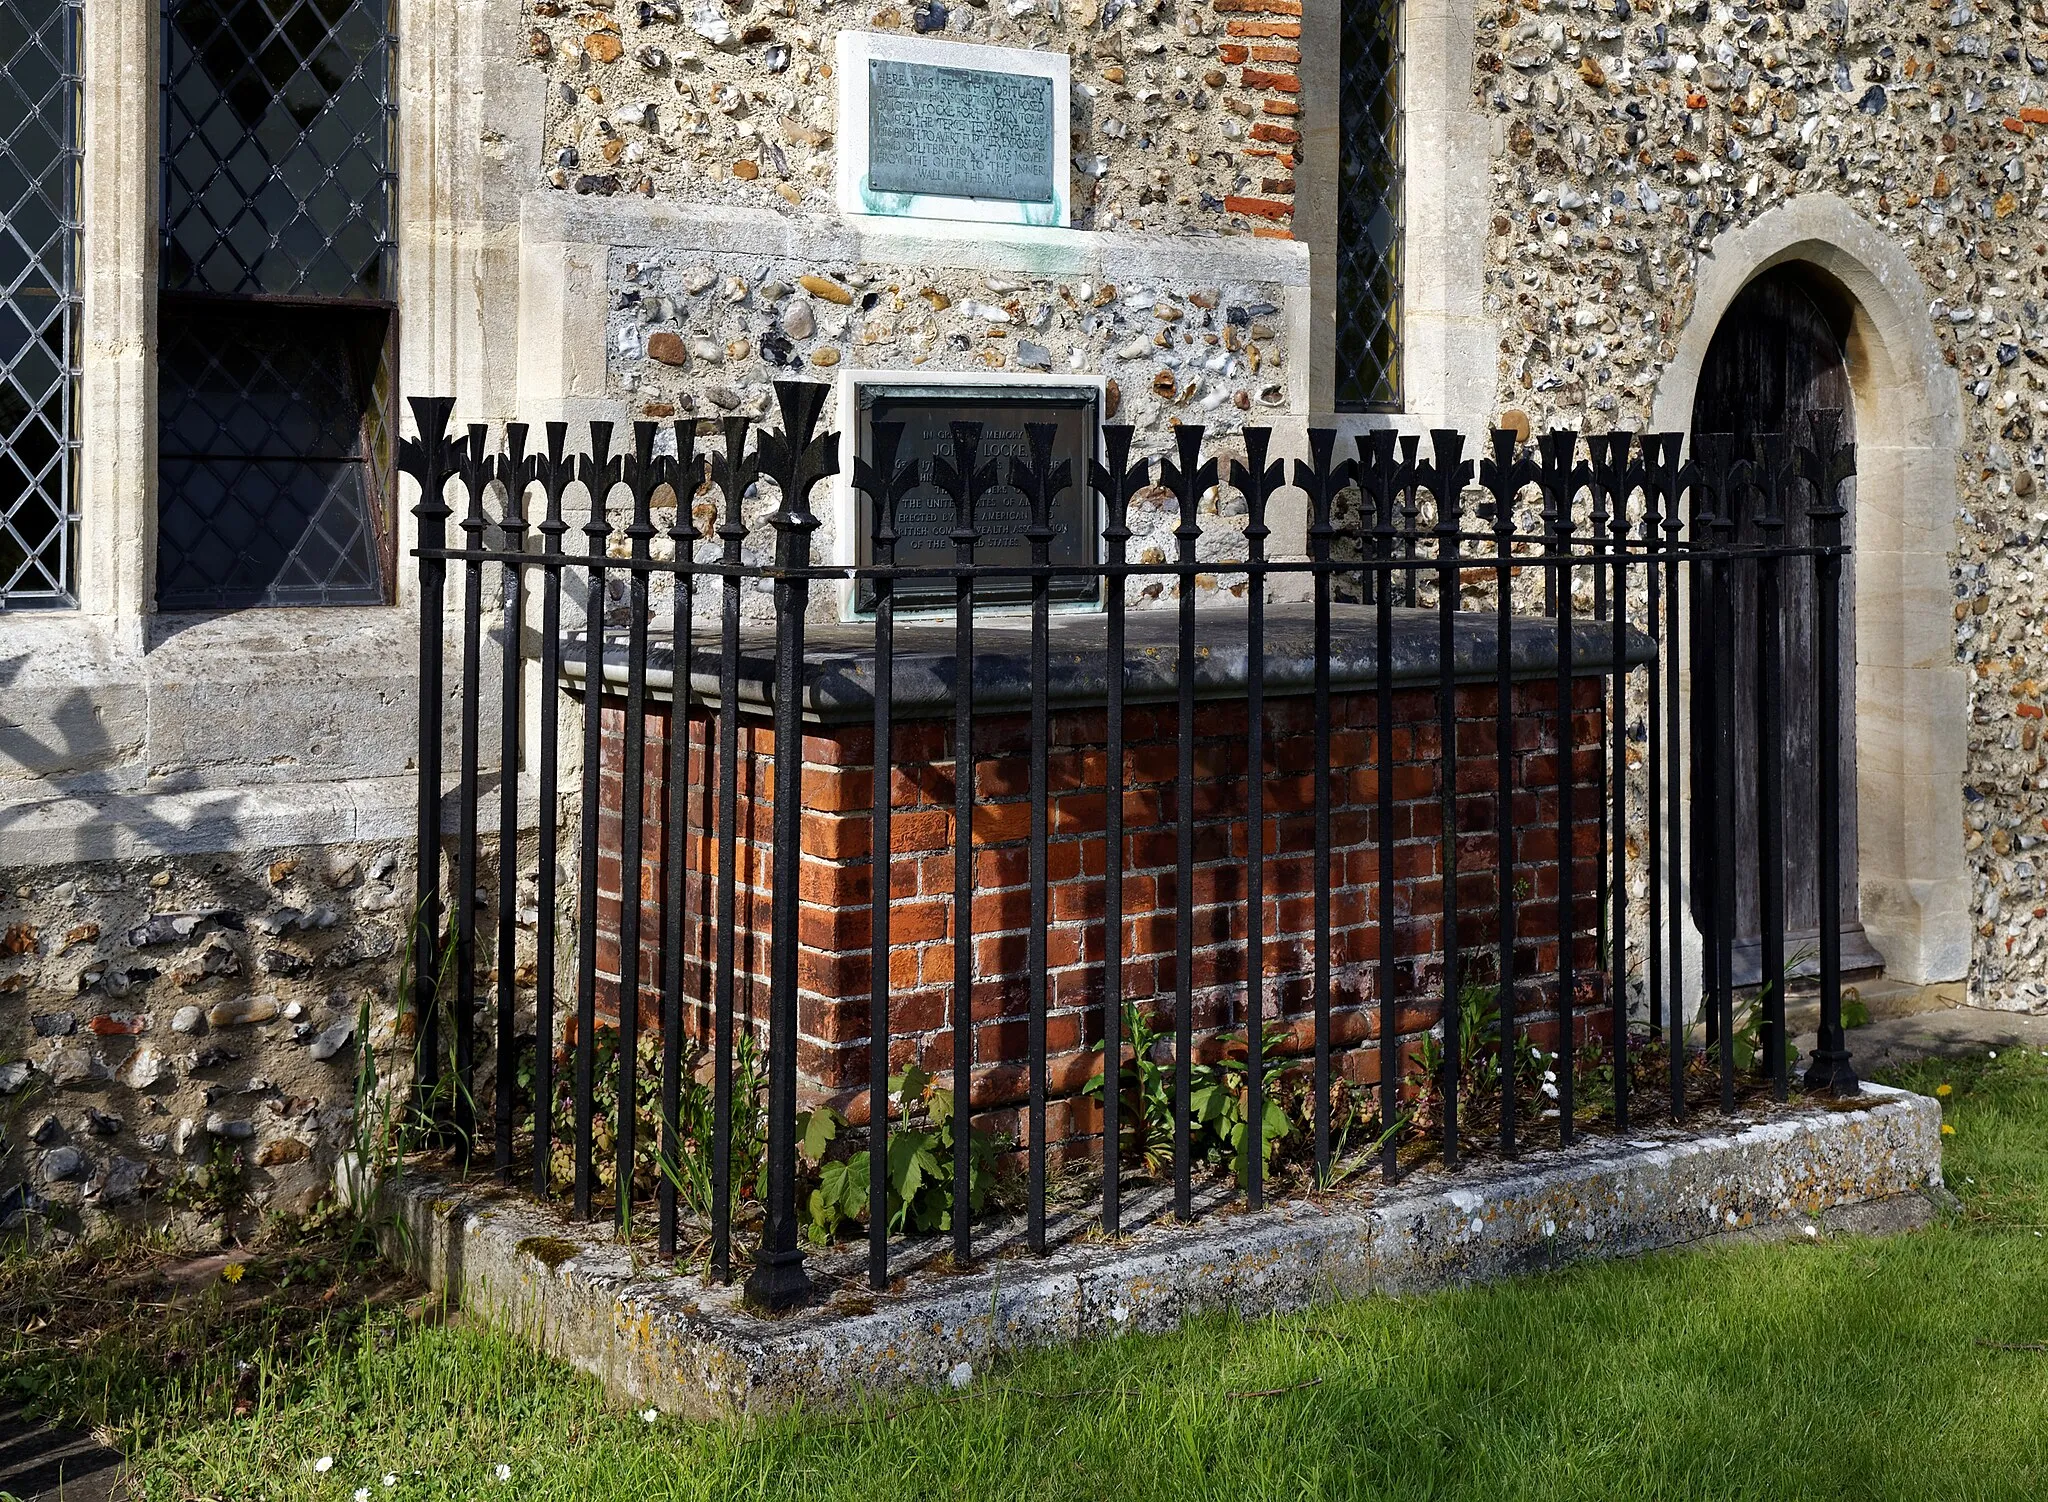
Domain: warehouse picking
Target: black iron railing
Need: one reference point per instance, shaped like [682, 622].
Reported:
[1503, 586]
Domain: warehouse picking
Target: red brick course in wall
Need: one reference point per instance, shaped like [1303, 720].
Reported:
[1264, 47]
[833, 940]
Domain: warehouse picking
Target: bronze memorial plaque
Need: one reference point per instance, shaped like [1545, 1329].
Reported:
[925, 519]
[959, 132]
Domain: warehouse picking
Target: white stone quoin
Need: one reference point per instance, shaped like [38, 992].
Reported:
[858, 50]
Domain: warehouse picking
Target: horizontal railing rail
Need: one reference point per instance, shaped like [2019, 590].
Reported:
[1343, 867]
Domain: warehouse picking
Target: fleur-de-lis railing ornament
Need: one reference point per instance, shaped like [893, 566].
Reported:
[1825, 464]
[1714, 459]
[1376, 472]
[885, 482]
[599, 471]
[1041, 478]
[966, 479]
[517, 469]
[799, 459]
[1615, 473]
[1117, 480]
[1322, 477]
[476, 468]
[734, 469]
[1505, 473]
[645, 473]
[685, 474]
[430, 460]
[1444, 475]
[1189, 479]
[1256, 480]
[1406, 484]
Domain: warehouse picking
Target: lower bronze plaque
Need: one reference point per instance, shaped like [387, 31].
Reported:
[925, 517]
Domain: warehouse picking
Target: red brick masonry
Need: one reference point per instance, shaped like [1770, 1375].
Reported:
[833, 953]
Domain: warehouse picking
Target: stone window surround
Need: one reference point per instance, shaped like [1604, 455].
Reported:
[105, 751]
[1449, 344]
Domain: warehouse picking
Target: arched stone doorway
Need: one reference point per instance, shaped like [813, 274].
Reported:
[1779, 355]
[1911, 700]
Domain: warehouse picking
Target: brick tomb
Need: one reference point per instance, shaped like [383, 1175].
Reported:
[833, 941]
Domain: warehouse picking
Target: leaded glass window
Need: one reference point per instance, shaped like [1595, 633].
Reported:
[277, 267]
[39, 167]
[1369, 176]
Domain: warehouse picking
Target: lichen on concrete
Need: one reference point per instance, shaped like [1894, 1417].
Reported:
[685, 1344]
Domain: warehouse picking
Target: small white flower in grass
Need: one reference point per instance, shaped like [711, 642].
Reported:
[362, 1494]
[1994, 1053]
[504, 1472]
[960, 1376]
[389, 1481]
[324, 1464]
[1813, 1231]
[651, 1415]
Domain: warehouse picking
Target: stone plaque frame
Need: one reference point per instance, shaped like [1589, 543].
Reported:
[856, 395]
[857, 49]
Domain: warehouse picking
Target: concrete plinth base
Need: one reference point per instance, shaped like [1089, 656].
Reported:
[688, 1346]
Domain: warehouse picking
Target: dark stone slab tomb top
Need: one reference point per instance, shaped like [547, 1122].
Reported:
[839, 658]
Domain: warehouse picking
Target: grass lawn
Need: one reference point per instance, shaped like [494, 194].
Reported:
[1914, 1367]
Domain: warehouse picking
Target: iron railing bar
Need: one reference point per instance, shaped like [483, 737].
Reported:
[1188, 479]
[428, 459]
[1116, 480]
[965, 479]
[733, 472]
[682, 474]
[1255, 480]
[1449, 472]
[515, 472]
[556, 473]
[643, 474]
[477, 472]
[599, 470]
[885, 483]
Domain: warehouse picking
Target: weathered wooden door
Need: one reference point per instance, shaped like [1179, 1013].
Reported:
[1777, 357]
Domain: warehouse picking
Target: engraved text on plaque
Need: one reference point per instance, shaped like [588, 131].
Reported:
[959, 132]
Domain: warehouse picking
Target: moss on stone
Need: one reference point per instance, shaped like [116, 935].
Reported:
[550, 1251]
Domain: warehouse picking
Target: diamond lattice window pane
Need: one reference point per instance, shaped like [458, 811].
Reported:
[266, 104]
[1369, 210]
[39, 164]
[269, 455]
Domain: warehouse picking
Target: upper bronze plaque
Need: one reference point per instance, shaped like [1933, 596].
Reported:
[959, 132]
